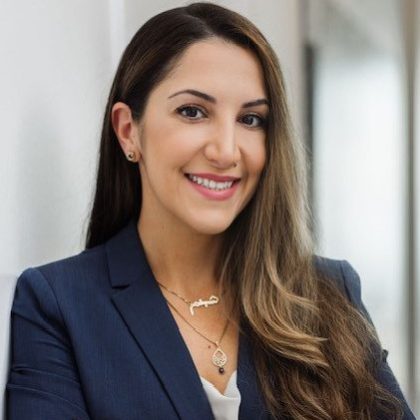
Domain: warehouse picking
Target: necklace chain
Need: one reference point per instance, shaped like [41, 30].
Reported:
[219, 357]
[216, 343]
[176, 294]
[179, 296]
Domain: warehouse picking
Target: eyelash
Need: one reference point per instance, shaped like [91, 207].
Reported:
[179, 110]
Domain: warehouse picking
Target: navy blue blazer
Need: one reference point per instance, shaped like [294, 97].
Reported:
[93, 338]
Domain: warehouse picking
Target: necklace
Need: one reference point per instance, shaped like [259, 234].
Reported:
[219, 357]
[212, 300]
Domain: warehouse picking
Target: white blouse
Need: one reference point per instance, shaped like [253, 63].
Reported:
[224, 406]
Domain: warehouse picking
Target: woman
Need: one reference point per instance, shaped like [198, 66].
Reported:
[198, 295]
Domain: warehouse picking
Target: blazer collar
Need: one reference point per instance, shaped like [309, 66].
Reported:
[145, 311]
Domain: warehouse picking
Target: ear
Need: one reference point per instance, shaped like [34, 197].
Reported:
[126, 130]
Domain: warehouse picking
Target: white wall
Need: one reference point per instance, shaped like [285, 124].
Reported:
[55, 73]
[417, 193]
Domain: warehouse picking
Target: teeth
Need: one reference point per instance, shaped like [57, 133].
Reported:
[210, 184]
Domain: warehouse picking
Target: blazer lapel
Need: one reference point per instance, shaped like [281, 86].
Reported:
[145, 311]
[147, 316]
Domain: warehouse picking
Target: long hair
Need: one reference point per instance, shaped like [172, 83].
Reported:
[316, 356]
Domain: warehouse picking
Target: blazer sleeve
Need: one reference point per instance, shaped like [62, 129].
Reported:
[43, 380]
[385, 374]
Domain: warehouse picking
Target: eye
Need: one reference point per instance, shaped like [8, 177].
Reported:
[250, 120]
[190, 112]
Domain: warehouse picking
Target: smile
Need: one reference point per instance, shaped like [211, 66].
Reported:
[210, 184]
[211, 189]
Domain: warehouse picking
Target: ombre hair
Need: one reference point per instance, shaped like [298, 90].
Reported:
[316, 356]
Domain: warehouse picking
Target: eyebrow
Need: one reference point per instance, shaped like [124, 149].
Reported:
[213, 100]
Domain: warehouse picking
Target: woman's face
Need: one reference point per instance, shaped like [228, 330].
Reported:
[207, 132]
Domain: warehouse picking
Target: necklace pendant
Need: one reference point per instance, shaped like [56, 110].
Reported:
[219, 359]
[200, 302]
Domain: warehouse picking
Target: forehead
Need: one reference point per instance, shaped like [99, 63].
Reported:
[219, 67]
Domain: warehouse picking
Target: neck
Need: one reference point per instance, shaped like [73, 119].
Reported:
[182, 260]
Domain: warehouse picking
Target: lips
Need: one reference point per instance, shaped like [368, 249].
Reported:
[214, 177]
[213, 194]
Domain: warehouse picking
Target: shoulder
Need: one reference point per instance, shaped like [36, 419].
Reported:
[69, 277]
[84, 264]
[344, 276]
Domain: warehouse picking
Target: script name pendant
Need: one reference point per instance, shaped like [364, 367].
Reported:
[200, 302]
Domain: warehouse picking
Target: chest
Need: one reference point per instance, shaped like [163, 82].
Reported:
[202, 352]
[133, 363]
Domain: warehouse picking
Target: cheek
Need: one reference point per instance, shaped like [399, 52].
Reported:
[256, 157]
[173, 142]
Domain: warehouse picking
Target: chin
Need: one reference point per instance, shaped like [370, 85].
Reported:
[214, 228]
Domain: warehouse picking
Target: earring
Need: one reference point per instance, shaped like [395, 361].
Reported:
[130, 156]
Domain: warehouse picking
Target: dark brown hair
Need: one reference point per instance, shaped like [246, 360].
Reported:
[316, 355]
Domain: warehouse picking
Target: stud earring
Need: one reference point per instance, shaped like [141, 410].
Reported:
[130, 156]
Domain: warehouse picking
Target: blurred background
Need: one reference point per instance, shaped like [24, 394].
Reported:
[351, 68]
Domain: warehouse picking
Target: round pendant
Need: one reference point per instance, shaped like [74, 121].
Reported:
[219, 358]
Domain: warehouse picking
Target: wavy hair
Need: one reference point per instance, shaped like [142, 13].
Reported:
[316, 356]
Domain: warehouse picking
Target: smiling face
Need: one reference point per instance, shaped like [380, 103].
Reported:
[204, 118]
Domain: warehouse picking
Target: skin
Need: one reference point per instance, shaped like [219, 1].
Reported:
[180, 229]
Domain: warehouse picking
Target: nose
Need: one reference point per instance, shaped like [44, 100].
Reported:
[222, 148]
